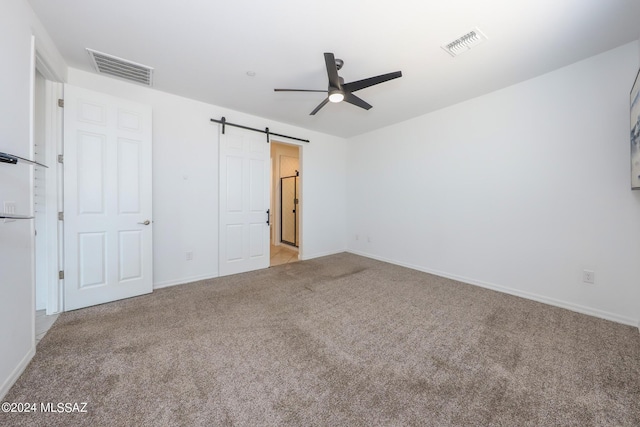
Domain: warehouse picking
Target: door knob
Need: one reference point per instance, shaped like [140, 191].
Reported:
[147, 222]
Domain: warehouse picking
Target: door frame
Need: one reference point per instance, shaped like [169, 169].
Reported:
[275, 196]
[53, 127]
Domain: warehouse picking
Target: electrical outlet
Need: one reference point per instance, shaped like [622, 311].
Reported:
[357, 237]
[9, 208]
[588, 276]
[189, 256]
[368, 239]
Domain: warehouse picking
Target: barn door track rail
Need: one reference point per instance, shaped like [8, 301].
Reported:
[224, 123]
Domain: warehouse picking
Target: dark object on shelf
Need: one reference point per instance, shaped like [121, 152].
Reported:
[13, 159]
[13, 216]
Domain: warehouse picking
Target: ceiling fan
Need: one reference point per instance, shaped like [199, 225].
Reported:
[338, 90]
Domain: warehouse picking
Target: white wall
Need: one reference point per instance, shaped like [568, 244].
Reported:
[519, 190]
[185, 180]
[17, 25]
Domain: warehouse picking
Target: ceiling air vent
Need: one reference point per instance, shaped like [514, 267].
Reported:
[465, 42]
[121, 68]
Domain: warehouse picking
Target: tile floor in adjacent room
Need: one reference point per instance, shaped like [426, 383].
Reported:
[43, 323]
[283, 254]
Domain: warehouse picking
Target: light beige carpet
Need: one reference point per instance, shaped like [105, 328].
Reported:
[340, 340]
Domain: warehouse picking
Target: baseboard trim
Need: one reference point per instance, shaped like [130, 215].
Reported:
[183, 281]
[512, 291]
[306, 257]
[9, 382]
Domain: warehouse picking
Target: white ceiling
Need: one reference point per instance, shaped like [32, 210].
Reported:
[202, 49]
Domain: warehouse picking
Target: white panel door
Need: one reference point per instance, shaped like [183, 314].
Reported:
[107, 198]
[245, 169]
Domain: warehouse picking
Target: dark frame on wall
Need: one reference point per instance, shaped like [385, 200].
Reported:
[295, 209]
[634, 112]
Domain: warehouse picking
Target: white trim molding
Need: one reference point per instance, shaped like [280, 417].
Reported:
[183, 281]
[511, 291]
[15, 374]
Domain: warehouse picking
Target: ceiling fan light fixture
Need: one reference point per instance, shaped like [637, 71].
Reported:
[336, 95]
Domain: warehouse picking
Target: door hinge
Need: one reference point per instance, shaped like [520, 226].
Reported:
[60, 216]
[60, 274]
[60, 158]
[61, 103]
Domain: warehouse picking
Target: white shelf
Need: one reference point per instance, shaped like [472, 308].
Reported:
[12, 160]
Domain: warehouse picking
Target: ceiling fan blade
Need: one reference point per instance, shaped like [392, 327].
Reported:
[361, 84]
[352, 99]
[322, 104]
[332, 70]
[299, 90]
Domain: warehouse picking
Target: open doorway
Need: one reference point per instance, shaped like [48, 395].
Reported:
[40, 195]
[41, 210]
[46, 139]
[285, 203]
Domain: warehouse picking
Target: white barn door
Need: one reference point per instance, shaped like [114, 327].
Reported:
[107, 198]
[245, 170]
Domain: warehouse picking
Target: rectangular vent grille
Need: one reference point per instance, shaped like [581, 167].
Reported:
[465, 42]
[121, 68]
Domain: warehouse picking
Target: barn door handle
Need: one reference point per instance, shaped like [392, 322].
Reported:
[268, 216]
[147, 222]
